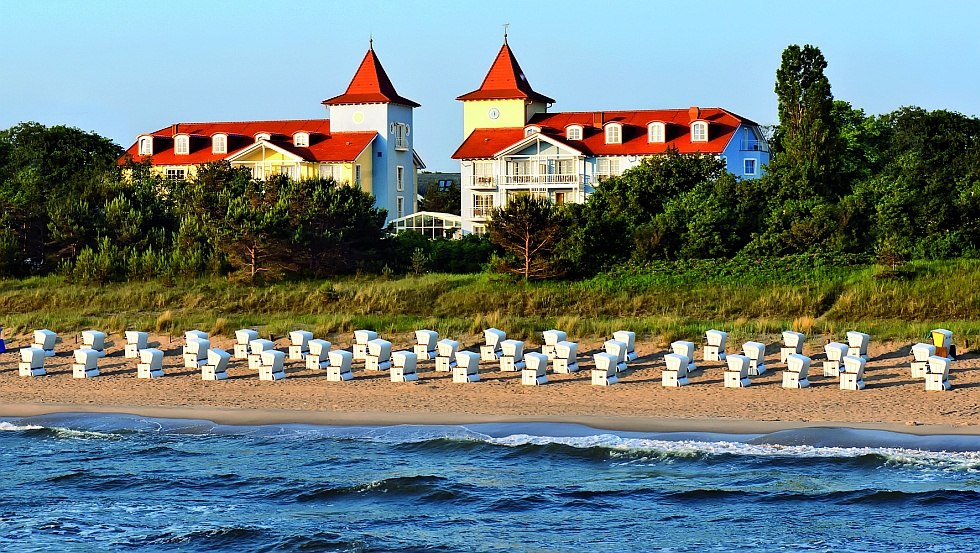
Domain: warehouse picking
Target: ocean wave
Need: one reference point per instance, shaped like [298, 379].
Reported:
[423, 487]
[4, 425]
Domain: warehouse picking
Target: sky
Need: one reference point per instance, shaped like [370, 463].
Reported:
[121, 68]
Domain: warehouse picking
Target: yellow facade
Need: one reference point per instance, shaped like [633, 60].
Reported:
[364, 160]
[477, 114]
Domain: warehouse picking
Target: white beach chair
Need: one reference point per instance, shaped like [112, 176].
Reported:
[714, 345]
[943, 340]
[94, 340]
[937, 379]
[317, 357]
[467, 367]
[490, 350]
[425, 348]
[45, 339]
[217, 366]
[273, 365]
[835, 352]
[195, 335]
[685, 349]
[379, 355]
[797, 371]
[196, 352]
[619, 349]
[857, 344]
[852, 375]
[534, 370]
[243, 338]
[551, 338]
[604, 373]
[792, 343]
[31, 362]
[256, 348]
[566, 357]
[756, 352]
[299, 344]
[512, 355]
[628, 337]
[446, 354]
[151, 363]
[86, 363]
[920, 359]
[361, 339]
[135, 341]
[737, 371]
[675, 373]
[340, 365]
[403, 366]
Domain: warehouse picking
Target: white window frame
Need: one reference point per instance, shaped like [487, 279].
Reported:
[656, 133]
[755, 166]
[699, 131]
[606, 167]
[301, 140]
[400, 179]
[574, 132]
[262, 136]
[182, 145]
[531, 130]
[614, 133]
[219, 144]
[176, 174]
[482, 205]
[400, 206]
[401, 136]
[331, 170]
[146, 146]
[357, 174]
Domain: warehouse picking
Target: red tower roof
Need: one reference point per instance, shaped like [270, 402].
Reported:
[370, 85]
[505, 81]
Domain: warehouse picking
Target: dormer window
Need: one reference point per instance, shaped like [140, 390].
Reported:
[656, 133]
[262, 136]
[146, 145]
[574, 132]
[531, 130]
[614, 133]
[699, 131]
[301, 140]
[182, 145]
[219, 144]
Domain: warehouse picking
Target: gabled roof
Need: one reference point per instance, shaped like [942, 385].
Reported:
[324, 146]
[505, 81]
[722, 124]
[370, 85]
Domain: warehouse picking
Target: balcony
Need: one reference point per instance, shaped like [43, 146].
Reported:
[566, 179]
[401, 143]
[753, 146]
[479, 213]
[481, 181]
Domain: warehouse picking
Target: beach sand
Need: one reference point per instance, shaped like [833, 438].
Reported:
[892, 400]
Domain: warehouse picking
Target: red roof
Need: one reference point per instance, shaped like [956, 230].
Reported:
[370, 85]
[323, 146]
[505, 81]
[722, 124]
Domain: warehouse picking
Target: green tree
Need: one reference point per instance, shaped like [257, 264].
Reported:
[529, 229]
[442, 200]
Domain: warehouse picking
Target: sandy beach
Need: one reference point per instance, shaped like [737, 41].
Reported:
[892, 400]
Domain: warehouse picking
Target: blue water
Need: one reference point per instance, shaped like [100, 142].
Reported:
[119, 482]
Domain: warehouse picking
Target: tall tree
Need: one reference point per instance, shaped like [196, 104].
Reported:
[529, 229]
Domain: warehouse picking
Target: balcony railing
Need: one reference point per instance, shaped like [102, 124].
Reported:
[401, 143]
[753, 145]
[482, 181]
[550, 178]
[480, 212]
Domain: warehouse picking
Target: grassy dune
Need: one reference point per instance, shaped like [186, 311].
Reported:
[665, 302]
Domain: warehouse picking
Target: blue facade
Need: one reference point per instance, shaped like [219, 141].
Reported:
[746, 153]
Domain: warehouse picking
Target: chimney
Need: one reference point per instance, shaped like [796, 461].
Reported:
[694, 113]
[598, 119]
[176, 127]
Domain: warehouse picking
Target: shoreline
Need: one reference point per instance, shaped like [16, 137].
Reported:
[265, 416]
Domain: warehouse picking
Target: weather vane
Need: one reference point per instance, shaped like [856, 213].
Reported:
[505, 32]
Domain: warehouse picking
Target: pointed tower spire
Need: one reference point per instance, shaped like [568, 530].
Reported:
[505, 80]
[370, 85]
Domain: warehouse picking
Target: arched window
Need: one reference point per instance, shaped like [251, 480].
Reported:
[655, 132]
[219, 144]
[301, 140]
[182, 145]
[146, 145]
[699, 131]
[614, 133]
[574, 132]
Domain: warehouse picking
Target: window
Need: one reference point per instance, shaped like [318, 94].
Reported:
[574, 133]
[401, 136]
[482, 205]
[357, 175]
[482, 172]
[400, 179]
[699, 131]
[750, 167]
[176, 174]
[262, 136]
[655, 133]
[258, 172]
[331, 171]
[607, 167]
[182, 145]
[219, 144]
[400, 206]
[614, 134]
[479, 230]
[146, 146]
[301, 140]
[531, 130]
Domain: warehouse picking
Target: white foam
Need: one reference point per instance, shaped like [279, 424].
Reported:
[14, 427]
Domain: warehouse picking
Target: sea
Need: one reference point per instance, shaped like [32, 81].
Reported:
[84, 482]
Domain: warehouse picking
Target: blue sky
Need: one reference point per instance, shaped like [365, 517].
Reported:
[122, 68]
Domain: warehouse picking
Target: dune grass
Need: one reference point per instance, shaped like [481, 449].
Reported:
[663, 303]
